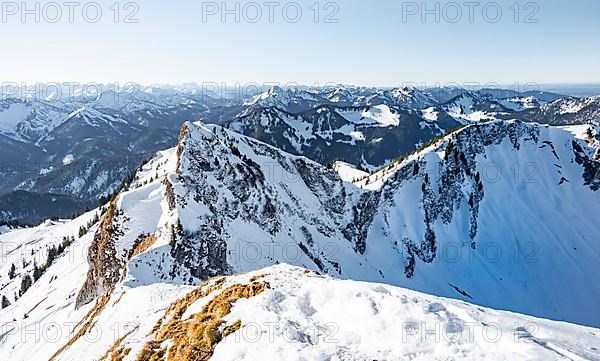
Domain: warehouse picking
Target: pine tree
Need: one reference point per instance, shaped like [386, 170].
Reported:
[589, 133]
[81, 231]
[102, 201]
[416, 169]
[11, 272]
[25, 284]
[95, 220]
[37, 272]
[5, 302]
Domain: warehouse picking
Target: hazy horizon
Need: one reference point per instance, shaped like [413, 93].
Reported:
[568, 89]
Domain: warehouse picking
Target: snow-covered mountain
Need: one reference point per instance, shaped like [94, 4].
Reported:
[29, 115]
[369, 135]
[28, 121]
[472, 107]
[292, 100]
[406, 97]
[453, 194]
[82, 146]
[529, 106]
[497, 214]
[445, 94]
[297, 100]
[221, 196]
[568, 110]
[81, 143]
[369, 127]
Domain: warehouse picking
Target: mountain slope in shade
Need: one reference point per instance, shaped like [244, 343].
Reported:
[369, 136]
[565, 111]
[17, 205]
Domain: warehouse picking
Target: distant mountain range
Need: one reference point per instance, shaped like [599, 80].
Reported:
[81, 146]
[370, 127]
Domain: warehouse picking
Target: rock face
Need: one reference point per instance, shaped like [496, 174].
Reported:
[456, 185]
[106, 264]
[477, 201]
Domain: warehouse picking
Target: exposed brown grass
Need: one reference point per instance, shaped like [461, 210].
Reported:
[120, 354]
[104, 264]
[86, 323]
[232, 328]
[110, 214]
[196, 337]
[178, 308]
[115, 352]
[258, 277]
[119, 299]
[142, 245]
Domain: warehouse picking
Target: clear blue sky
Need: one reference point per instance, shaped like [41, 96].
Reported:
[369, 45]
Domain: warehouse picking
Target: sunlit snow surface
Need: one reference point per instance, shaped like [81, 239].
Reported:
[305, 316]
[348, 172]
[301, 316]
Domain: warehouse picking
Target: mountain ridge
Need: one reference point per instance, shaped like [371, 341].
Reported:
[221, 203]
[233, 194]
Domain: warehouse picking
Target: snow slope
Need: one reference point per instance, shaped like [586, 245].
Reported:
[438, 221]
[470, 107]
[453, 227]
[348, 172]
[299, 315]
[380, 115]
[14, 114]
[519, 103]
[466, 217]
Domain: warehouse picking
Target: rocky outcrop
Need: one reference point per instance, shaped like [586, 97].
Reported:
[229, 191]
[169, 193]
[104, 262]
[362, 217]
[455, 183]
[591, 167]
